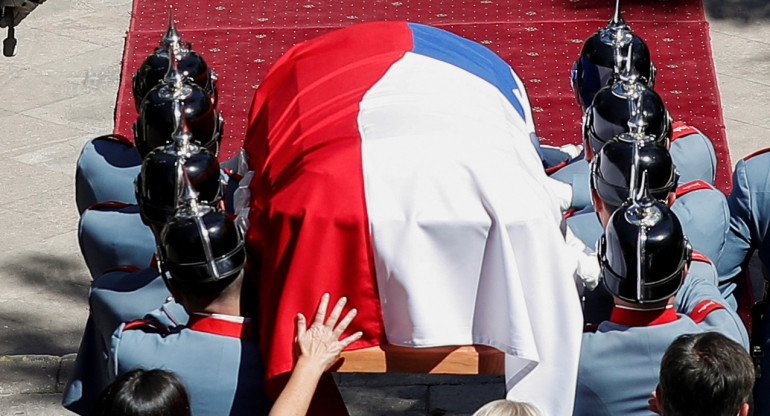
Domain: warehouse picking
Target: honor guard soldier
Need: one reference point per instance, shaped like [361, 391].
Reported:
[615, 168]
[599, 58]
[216, 353]
[131, 285]
[107, 167]
[749, 203]
[116, 234]
[644, 258]
[190, 64]
[628, 105]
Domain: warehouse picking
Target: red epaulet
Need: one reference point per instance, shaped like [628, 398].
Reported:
[680, 130]
[107, 205]
[702, 309]
[757, 153]
[117, 138]
[568, 213]
[552, 169]
[590, 327]
[691, 186]
[147, 325]
[698, 256]
[232, 174]
[129, 269]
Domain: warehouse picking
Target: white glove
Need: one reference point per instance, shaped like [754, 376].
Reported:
[562, 191]
[587, 268]
[19, 8]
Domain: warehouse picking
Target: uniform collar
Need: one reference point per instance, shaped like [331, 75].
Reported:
[638, 317]
[224, 325]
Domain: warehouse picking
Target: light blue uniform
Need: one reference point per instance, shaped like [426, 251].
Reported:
[218, 361]
[106, 170]
[749, 221]
[692, 152]
[705, 217]
[113, 235]
[620, 362]
[749, 204]
[115, 297]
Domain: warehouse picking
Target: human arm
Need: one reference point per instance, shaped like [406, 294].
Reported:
[317, 347]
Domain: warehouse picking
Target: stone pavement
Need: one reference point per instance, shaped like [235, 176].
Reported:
[60, 91]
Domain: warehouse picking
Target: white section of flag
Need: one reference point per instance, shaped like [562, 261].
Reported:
[465, 233]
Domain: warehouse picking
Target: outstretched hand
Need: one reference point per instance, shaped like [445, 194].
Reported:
[320, 344]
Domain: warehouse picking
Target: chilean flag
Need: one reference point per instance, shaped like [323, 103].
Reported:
[393, 164]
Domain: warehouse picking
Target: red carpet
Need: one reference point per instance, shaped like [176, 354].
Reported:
[540, 38]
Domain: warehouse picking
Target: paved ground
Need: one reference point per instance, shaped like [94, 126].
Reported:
[60, 91]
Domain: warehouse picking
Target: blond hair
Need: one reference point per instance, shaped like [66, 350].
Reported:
[507, 408]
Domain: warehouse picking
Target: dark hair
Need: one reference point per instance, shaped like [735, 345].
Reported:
[705, 374]
[143, 393]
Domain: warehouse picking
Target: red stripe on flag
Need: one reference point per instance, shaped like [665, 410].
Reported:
[308, 216]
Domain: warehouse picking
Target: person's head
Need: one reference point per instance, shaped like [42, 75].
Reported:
[202, 255]
[595, 68]
[157, 120]
[624, 158]
[625, 106]
[160, 182]
[507, 408]
[143, 393]
[156, 65]
[643, 253]
[705, 374]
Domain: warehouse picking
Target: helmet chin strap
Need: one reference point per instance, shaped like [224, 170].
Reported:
[638, 309]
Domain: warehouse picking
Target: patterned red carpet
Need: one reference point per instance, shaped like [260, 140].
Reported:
[240, 39]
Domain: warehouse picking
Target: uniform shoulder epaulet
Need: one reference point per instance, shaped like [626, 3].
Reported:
[126, 268]
[590, 327]
[107, 205]
[698, 256]
[691, 187]
[147, 325]
[117, 138]
[680, 130]
[757, 153]
[570, 212]
[232, 174]
[702, 309]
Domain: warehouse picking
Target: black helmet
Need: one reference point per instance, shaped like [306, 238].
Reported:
[190, 64]
[200, 244]
[623, 160]
[161, 181]
[622, 107]
[643, 252]
[598, 59]
[155, 124]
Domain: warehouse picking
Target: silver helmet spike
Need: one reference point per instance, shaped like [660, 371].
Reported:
[175, 87]
[189, 206]
[617, 32]
[626, 83]
[638, 120]
[171, 36]
[182, 137]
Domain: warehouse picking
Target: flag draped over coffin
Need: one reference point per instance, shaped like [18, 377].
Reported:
[394, 165]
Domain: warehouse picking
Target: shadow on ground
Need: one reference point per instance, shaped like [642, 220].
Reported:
[742, 10]
[43, 306]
